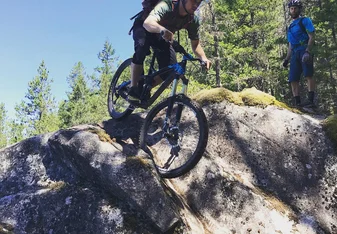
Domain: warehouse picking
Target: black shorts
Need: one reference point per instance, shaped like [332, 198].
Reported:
[143, 40]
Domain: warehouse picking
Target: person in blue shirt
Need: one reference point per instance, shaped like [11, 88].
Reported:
[301, 36]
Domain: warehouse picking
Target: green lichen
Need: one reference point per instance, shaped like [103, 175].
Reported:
[330, 126]
[248, 97]
[135, 161]
[217, 95]
[102, 135]
[58, 185]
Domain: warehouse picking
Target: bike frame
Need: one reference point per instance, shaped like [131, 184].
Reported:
[177, 72]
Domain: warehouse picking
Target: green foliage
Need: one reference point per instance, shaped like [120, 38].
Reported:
[3, 117]
[330, 126]
[246, 41]
[76, 109]
[37, 113]
[88, 104]
[105, 73]
[16, 132]
[324, 18]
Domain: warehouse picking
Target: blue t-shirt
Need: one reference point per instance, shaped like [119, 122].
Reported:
[297, 38]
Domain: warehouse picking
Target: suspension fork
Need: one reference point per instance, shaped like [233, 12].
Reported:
[180, 106]
[172, 98]
[170, 104]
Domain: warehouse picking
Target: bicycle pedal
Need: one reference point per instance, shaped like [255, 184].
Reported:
[134, 102]
[131, 107]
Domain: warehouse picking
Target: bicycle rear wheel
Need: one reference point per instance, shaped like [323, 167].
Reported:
[178, 143]
[118, 106]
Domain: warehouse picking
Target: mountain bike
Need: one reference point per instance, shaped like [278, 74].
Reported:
[175, 131]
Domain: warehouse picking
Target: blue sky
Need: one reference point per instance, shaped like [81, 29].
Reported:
[62, 33]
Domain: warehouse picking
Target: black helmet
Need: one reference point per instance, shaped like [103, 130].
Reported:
[297, 3]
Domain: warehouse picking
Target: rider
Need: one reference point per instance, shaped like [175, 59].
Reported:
[301, 41]
[157, 30]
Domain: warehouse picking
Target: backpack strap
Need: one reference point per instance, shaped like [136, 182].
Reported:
[136, 15]
[300, 23]
[302, 27]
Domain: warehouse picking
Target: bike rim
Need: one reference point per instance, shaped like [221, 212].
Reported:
[118, 104]
[175, 147]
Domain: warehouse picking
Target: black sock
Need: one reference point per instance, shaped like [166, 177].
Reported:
[297, 100]
[311, 96]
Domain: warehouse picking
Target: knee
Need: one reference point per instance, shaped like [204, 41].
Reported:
[138, 58]
[141, 45]
[141, 50]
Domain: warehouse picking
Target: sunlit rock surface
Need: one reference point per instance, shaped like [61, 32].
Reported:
[265, 170]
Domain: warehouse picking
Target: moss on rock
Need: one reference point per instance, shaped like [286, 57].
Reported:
[217, 95]
[330, 126]
[249, 97]
[102, 135]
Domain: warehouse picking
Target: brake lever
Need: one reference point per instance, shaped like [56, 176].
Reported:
[203, 65]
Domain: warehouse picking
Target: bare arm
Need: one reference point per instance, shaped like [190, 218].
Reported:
[288, 52]
[200, 53]
[311, 41]
[151, 25]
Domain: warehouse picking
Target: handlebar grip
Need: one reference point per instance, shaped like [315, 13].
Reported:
[203, 66]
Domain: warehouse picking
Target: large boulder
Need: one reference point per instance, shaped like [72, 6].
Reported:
[265, 170]
[68, 181]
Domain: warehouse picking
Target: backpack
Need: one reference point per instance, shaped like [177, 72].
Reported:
[148, 5]
[300, 23]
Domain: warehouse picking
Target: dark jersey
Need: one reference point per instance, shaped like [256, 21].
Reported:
[168, 16]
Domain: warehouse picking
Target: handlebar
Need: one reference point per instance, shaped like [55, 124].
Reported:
[178, 48]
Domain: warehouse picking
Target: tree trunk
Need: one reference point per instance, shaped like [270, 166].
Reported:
[216, 47]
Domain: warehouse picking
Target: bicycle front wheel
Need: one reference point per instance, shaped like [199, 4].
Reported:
[176, 141]
[118, 106]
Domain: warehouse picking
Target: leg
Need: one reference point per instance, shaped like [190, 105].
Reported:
[295, 86]
[311, 84]
[165, 57]
[311, 91]
[136, 72]
[142, 47]
[308, 70]
[294, 76]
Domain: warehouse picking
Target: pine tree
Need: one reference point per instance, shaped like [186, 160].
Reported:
[323, 14]
[105, 72]
[16, 131]
[76, 110]
[37, 114]
[3, 117]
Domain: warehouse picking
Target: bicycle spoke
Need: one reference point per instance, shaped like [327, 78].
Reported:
[117, 105]
[172, 149]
